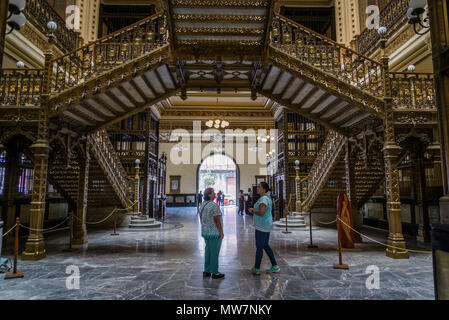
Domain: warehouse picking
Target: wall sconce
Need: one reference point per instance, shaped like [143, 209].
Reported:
[16, 18]
[414, 15]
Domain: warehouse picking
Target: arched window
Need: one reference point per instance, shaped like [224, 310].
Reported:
[25, 175]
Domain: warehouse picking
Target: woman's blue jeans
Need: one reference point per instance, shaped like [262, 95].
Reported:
[262, 239]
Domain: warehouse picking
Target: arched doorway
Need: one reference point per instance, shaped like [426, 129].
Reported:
[222, 173]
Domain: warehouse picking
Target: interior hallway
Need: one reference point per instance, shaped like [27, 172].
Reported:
[168, 264]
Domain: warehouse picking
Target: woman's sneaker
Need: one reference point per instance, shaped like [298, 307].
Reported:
[206, 274]
[217, 275]
[255, 271]
[273, 269]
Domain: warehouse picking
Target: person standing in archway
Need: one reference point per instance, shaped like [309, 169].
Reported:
[212, 232]
[263, 223]
[248, 202]
[241, 203]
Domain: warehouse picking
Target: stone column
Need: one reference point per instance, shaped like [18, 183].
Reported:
[79, 228]
[351, 191]
[34, 247]
[391, 152]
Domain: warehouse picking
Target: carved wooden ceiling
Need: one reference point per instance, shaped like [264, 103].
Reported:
[237, 27]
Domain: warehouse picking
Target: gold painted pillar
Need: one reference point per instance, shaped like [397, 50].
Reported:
[298, 188]
[137, 188]
[3, 15]
[351, 190]
[35, 247]
[391, 152]
[79, 228]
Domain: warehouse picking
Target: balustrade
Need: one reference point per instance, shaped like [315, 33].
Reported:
[20, 87]
[92, 60]
[413, 90]
[110, 161]
[327, 55]
[39, 12]
[394, 14]
[323, 164]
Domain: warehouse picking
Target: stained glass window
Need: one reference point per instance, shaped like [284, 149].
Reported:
[2, 170]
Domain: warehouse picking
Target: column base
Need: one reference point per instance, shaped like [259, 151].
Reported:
[34, 250]
[397, 253]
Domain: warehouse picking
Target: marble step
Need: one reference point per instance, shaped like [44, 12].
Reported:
[280, 224]
[143, 222]
[142, 219]
[293, 220]
[155, 224]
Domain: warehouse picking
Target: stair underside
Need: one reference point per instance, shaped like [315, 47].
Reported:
[100, 192]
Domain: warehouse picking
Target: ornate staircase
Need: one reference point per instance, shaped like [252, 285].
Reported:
[242, 45]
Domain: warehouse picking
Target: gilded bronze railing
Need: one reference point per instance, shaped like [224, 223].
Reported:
[392, 16]
[108, 159]
[87, 62]
[322, 168]
[20, 87]
[326, 55]
[39, 12]
[414, 91]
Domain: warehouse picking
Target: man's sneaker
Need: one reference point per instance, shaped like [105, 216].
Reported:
[217, 275]
[255, 271]
[206, 274]
[273, 269]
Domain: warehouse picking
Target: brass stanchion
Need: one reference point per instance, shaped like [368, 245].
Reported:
[340, 264]
[15, 273]
[70, 249]
[115, 224]
[311, 245]
[286, 215]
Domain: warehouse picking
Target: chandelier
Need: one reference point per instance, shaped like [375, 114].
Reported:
[217, 124]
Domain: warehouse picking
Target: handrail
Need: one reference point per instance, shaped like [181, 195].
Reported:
[116, 49]
[41, 12]
[388, 18]
[327, 55]
[113, 35]
[324, 163]
[319, 35]
[109, 160]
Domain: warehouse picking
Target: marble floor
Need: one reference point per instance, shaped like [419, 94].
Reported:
[167, 264]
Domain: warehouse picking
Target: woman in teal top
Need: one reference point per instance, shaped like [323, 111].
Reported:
[263, 223]
[212, 232]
